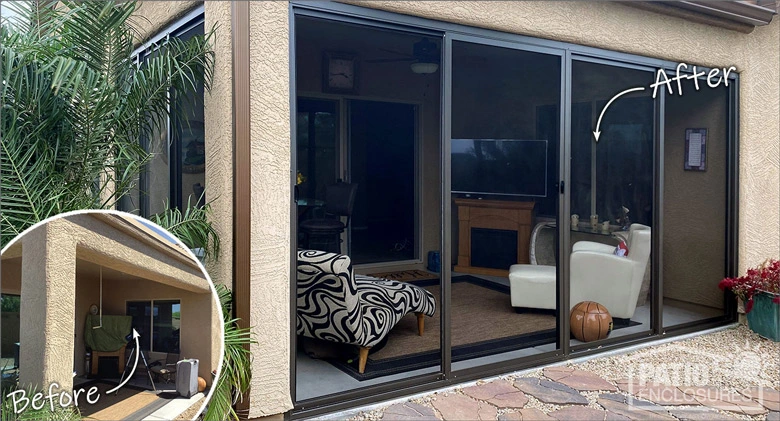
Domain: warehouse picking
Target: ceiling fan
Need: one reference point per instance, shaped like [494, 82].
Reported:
[425, 57]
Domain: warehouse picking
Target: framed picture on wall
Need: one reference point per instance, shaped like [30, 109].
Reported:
[695, 149]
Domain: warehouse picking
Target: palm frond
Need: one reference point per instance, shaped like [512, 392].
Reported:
[236, 375]
[192, 227]
[75, 104]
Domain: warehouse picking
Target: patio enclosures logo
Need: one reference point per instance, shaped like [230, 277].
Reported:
[728, 380]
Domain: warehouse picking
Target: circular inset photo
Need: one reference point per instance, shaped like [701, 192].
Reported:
[107, 316]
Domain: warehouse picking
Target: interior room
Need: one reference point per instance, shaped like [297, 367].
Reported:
[504, 166]
[170, 323]
[695, 196]
[109, 304]
[368, 113]
[369, 185]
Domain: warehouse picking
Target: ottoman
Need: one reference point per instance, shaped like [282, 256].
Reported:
[532, 286]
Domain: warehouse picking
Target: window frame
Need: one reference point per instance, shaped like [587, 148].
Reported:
[151, 318]
[174, 197]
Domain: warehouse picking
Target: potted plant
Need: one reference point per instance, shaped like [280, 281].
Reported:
[759, 288]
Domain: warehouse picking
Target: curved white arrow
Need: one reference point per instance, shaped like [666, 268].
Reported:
[597, 132]
[135, 364]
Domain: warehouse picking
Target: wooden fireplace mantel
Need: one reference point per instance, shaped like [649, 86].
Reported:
[492, 214]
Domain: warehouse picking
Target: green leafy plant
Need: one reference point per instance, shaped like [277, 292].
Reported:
[75, 104]
[192, 227]
[236, 374]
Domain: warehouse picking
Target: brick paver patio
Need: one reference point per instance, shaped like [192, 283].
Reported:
[712, 376]
[568, 393]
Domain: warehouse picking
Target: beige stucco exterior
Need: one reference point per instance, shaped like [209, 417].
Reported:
[54, 267]
[612, 26]
[270, 213]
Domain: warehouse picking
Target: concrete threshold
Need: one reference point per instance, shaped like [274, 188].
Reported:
[174, 408]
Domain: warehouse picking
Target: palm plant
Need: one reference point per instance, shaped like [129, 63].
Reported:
[192, 227]
[236, 366]
[75, 104]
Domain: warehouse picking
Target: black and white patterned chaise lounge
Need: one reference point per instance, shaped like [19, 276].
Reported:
[336, 306]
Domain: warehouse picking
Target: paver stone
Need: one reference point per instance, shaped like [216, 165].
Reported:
[409, 411]
[634, 412]
[500, 393]
[578, 379]
[550, 392]
[460, 407]
[581, 413]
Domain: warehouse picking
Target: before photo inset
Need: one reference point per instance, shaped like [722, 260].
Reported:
[110, 317]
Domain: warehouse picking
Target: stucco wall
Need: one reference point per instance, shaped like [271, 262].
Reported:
[218, 109]
[270, 213]
[151, 16]
[46, 316]
[11, 276]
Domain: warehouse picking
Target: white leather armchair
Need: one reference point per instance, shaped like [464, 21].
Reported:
[597, 274]
[606, 248]
[613, 281]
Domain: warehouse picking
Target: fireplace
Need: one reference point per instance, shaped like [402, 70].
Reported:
[491, 248]
[492, 222]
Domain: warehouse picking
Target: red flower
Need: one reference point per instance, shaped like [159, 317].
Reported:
[764, 278]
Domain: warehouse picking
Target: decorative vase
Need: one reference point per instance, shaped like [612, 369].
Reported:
[764, 318]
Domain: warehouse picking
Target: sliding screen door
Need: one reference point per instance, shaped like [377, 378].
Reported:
[504, 144]
[612, 192]
[696, 150]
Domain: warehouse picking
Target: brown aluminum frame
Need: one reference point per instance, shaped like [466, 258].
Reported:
[242, 191]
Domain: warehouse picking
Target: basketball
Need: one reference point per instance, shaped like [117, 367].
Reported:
[201, 384]
[590, 321]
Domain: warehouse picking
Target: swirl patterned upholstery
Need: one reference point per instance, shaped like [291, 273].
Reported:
[337, 306]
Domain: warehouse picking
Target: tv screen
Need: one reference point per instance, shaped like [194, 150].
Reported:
[499, 166]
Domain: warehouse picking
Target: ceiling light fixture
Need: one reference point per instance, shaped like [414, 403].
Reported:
[424, 67]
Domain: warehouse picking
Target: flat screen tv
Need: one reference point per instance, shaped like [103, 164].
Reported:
[511, 167]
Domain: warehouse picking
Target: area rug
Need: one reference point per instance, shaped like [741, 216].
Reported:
[483, 323]
[406, 275]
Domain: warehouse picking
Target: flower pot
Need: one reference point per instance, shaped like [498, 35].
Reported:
[764, 318]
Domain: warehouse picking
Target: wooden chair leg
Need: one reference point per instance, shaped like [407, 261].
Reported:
[420, 323]
[363, 359]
